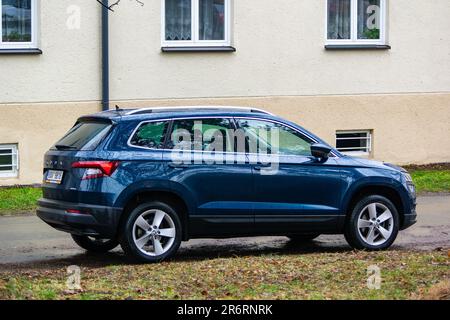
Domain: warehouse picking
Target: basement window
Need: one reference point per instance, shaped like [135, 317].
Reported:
[354, 142]
[9, 161]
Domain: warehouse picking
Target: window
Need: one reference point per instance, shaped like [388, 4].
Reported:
[356, 22]
[274, 138]
[195, 23]
[84, 136]
[19, 24]
[150, 135]
[354, 142]
[9, 161]
[202, 135]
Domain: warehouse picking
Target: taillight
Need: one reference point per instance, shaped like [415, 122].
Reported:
[73, 211]
[96, 169]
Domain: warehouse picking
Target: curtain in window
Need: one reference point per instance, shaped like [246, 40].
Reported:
[16, 20]
[369, 19]
[178, 20]
[339, 19]
[212, 19]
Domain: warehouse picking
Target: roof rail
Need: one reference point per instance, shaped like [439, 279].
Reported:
[168, 109]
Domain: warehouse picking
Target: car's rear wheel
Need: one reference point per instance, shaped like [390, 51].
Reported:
[152, 232]
[373, 224]
[303, 237]
[95, 245]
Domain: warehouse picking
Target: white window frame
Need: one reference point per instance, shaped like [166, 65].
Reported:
[363, 153]
[354, 27]
[34, 30]
[15, 161]
[195, 32]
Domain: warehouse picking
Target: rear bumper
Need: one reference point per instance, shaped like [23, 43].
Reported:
[99, 221]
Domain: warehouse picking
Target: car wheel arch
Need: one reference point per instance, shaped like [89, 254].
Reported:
[167, 196]
[386, 190]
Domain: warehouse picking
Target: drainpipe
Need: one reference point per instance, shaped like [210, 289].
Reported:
[105, 55]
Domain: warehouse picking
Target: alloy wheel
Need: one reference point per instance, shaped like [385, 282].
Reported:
[375, 224]
[154, 232]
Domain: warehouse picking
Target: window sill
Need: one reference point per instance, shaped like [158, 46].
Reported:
[365, 155]
[357, 47]
[198, 49]
[8, 177]
[21, 51]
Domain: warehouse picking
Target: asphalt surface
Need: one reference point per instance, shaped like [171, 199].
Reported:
[26, 239]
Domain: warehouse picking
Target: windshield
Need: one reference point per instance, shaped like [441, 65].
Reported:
[83, 136]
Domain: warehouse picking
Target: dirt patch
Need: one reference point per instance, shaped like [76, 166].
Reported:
[431, 166]
[15, 213]
[440, 291]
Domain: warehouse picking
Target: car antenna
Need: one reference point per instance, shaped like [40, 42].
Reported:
[118, 108]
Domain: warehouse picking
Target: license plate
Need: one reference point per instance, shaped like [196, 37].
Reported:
[54, 176]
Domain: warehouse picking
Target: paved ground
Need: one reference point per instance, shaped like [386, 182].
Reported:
[25, 239]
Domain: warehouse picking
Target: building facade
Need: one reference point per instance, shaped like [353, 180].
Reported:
[370, 76]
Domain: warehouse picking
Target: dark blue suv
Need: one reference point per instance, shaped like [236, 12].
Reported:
[148, 179]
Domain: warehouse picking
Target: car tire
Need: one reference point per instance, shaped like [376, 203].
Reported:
[151, 233]
[303, 237]
[373, 224]
[95, 245]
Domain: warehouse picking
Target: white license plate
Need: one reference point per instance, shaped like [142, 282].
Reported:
[54, 176]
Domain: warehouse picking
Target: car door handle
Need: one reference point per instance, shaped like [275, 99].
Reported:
[178, 166]
[261, 167]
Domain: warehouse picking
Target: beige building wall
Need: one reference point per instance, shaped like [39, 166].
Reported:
[407, 128]
[402, 94]
[41, 96]
[68, 69]
[35, 128]
[280, 52]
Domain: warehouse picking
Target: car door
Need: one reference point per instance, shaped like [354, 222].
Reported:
[202, 165]
[293, 192]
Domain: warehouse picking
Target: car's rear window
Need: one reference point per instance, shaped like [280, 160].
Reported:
[83, 136]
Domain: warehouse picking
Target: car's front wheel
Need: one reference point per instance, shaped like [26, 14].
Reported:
[152, 232]
[373, 224]
[95, 245]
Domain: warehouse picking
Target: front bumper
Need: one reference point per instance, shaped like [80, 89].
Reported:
[410, 218]
[97, 221]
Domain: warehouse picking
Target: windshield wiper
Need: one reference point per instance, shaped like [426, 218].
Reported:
[64, 147]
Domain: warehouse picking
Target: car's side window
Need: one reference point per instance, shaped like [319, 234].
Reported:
[150, 135]
[274, 138]
[212, 134]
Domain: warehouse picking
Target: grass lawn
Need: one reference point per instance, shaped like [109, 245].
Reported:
[330, 275]
[431, 180]
[18, 200]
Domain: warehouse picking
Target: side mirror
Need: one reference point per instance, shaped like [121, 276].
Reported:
[320, 151]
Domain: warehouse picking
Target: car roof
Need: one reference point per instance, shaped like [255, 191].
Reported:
[169, 112]
[165, 113]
